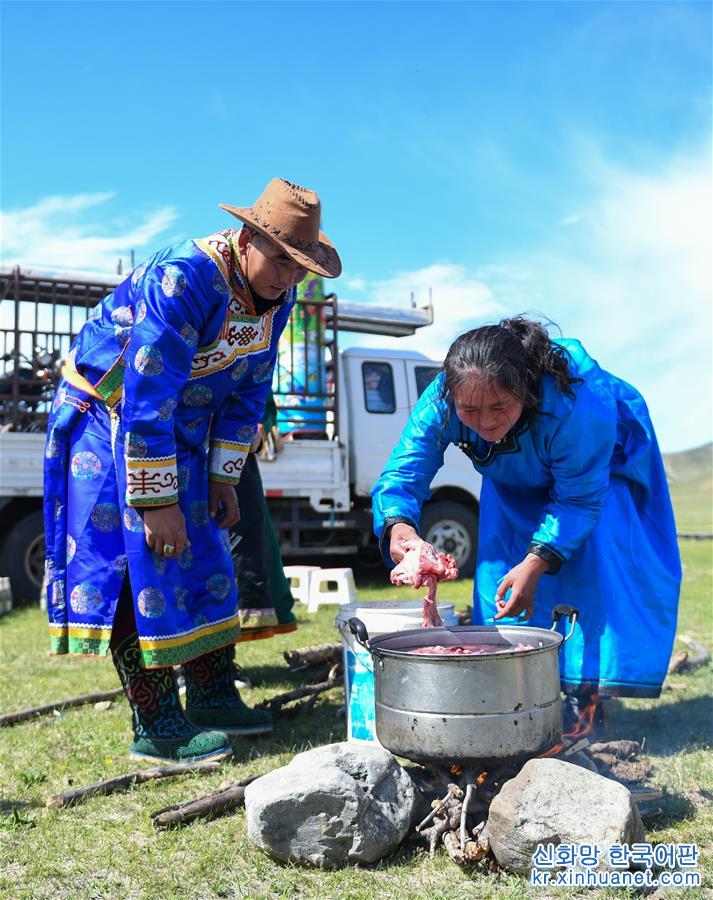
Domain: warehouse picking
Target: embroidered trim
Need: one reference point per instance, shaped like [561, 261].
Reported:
[243, 333]
[151, 482]
[226, 461]
[111, 384]
[509, 444]
[157, 651]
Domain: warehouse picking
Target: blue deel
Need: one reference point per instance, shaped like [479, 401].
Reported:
[582, 484]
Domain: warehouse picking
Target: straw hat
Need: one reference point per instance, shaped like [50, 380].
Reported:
[289, 215]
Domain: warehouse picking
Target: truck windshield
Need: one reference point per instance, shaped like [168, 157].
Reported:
[424, 376]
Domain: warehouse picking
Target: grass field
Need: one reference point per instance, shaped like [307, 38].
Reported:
[107, 847]
[690, 478]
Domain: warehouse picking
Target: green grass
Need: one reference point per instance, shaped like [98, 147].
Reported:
[690, 477]
[107, 847]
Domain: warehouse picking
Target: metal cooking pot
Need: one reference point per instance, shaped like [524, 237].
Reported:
[441, 709]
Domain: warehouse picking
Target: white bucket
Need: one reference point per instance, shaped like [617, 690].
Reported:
[380, 617]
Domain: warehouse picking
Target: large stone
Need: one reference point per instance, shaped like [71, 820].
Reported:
[554, 802]
[332, 806]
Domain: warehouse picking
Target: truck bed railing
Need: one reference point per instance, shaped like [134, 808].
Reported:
[41, 314]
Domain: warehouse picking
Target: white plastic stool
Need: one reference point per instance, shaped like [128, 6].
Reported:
[300, 578]
[319, 592]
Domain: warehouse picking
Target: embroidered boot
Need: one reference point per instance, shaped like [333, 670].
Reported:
[161, 731]
[212, 700]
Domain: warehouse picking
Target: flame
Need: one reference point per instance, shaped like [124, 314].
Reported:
[582, 727]
[481, 778]
[455, 769]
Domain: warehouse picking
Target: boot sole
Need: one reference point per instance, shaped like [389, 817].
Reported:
[205, 757]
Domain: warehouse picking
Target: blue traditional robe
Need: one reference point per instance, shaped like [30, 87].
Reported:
[162, 392]
[582, 485]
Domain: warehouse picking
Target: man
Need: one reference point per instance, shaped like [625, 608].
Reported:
[178, 357]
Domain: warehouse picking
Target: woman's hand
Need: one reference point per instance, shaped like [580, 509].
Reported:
[223, 504]
[165, 527]
[522, 582]
[401, 534]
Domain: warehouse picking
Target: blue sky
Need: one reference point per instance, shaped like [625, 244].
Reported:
[510, 156]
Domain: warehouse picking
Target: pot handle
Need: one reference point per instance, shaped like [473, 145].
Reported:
[569, 612]
[358, 629]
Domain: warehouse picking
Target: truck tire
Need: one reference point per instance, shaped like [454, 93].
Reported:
[452, 528]
[23, 558]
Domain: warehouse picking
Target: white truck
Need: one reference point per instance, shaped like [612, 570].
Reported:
[318, 489]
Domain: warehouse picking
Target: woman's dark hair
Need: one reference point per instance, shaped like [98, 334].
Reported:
[514, 354]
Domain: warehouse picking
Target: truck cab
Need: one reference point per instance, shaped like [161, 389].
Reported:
[379, 390]
[318, 487]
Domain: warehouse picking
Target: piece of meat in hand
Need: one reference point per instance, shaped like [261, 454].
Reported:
[423, 565]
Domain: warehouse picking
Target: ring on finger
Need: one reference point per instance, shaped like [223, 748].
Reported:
[169, 549]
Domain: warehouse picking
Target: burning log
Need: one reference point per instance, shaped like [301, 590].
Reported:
[124, 782]
[209, 807]
[314, 655]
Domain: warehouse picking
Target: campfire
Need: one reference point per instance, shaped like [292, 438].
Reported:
[457, 818]
[460, 797]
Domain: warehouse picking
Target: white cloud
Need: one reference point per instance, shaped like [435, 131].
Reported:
[632, 281]
[59, 231]
[355, 284]
[460, 300]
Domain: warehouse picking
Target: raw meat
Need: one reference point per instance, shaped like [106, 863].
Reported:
[469, 650]
[424, 565]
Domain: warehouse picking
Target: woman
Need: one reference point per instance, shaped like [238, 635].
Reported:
[573, 489]
[160, 400]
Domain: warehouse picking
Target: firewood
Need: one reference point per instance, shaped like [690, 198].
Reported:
[699, 655]
[434, 835]
[82, 700]
[438, 807]
[619, 749]
[314, 655]
[276, 704]
[464, 815]
[686, 660]
[209, 807]
[124, 782]
[452, 845]
[678, 662]
[473, 852]
[646, 795]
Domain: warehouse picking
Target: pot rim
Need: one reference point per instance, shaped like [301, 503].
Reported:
[550, 640]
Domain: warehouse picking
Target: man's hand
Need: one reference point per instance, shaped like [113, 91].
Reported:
[223, 504]
[165, 527]
[522, 582]
[401, 533]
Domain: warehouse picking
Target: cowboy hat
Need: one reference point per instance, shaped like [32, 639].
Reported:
[289, 216]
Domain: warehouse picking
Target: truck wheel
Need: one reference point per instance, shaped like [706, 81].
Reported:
[23, 558]
[452, 528]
